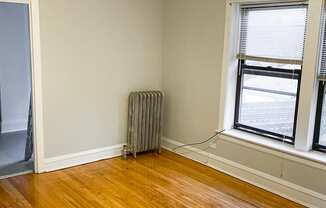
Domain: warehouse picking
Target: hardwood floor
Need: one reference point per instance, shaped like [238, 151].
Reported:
[165, 180]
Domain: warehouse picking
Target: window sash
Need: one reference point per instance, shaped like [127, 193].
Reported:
[270, 60]
[320, 103]
[321, 86]
[276, 4]
[266, 71]
[270, 72]
[294, 57]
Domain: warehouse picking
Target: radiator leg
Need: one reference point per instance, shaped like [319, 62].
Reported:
[159, 150]
[135, 154]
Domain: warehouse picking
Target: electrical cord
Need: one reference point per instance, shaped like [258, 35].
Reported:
[198, 143]
[282, 161]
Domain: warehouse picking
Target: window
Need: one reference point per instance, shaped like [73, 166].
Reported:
[320, 124]
[269, 70]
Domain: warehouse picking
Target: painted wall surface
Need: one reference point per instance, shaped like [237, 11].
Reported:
[193, 50]
[14, 66]
[93, 54]
[193, 45]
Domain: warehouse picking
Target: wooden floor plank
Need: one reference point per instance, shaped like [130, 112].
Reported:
[151, 180]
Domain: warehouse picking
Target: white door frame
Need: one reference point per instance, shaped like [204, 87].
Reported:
[36, 64]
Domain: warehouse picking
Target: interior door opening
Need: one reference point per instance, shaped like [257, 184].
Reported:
[16, 127]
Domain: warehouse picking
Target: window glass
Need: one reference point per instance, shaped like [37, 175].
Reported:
[322, 132]
[268, 103]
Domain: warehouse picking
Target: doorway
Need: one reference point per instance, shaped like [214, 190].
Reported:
[16, 123]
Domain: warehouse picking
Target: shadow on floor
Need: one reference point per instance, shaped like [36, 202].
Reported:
[12, 150]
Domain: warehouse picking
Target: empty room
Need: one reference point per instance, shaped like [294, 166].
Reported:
[163, 103]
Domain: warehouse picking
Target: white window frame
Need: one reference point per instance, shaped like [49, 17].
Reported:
[308, 92]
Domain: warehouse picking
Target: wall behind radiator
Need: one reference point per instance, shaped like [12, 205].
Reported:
[93, 54]
[15, 70]
[193, 49]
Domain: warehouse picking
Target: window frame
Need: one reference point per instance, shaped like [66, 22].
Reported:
[265, 71]
[320, 101]
[321, 86]
[229, 69]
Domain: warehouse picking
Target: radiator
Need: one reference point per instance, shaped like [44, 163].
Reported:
[145, 117]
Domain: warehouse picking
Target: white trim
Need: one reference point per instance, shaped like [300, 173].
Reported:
[36, 83]
[273, 184]
[229, 67]
[308, 89]
[70, 160]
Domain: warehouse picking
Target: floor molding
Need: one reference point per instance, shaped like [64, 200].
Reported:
[70, 160]
[270, 183]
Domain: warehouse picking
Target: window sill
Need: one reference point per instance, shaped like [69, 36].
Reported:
[277, 148]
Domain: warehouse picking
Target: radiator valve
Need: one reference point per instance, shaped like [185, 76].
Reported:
[124, 152]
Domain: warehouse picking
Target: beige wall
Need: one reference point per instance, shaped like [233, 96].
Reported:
[193, 49]
[193, 45]
[93, 54]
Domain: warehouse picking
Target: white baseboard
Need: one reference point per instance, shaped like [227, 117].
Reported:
[270, 183]
[14, 125]
[70, 160]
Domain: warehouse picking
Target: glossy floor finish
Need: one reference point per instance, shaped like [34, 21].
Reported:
[167, 180]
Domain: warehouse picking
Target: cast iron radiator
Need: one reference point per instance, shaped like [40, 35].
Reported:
[145, 117]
